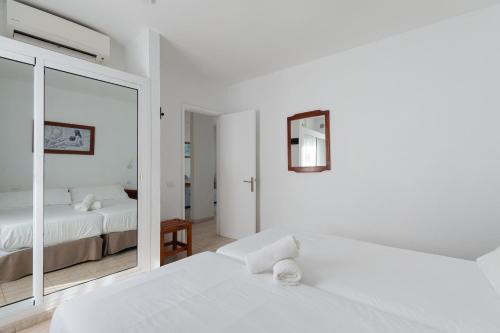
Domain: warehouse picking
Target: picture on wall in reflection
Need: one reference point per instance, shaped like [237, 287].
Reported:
[62, 138]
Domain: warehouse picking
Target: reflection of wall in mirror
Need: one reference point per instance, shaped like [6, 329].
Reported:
[116, 139]
[16, 126]
[315, 123]
[310, 150]
[115, 120]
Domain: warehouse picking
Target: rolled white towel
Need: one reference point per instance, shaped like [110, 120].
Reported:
[85, 205]
[266, 257]
[96, 205]
[287, 272]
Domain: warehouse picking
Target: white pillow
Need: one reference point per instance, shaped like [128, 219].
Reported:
[99, 192]
[18, 199]
[56, 196]
[490, 265]
[21, 199]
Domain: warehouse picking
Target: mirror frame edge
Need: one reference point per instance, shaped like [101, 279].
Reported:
[309, 114]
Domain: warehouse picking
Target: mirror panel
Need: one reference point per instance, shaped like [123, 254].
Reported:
[309, 142]
[90, 214]
[16, 181]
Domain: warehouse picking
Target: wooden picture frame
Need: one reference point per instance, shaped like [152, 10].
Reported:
[303, 115]
[66, 143]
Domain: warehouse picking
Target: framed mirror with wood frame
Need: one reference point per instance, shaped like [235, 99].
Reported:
[309, 141]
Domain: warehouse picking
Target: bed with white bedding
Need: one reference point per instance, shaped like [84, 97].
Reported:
[119, 224]
[119, 215]
[61, 224]
[450, 294]
[81, 236]
[211, 293]
[76, 234]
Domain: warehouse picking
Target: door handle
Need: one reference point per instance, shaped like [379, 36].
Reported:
[252, 182]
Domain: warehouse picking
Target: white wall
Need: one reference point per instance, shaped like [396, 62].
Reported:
[203, 166]
[113, 112]
[181, 84]
[415, 129]
[16, 126]
[117, 56]
[111, 109]
[142, 57]
[137, 54]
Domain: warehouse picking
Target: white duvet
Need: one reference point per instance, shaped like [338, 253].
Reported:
[61, 224]
[119, 215]
[210, 293]
[443, 292]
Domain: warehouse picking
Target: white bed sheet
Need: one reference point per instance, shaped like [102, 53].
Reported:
[61, 224]
[119, 215]
[443, 292]
[211, 293]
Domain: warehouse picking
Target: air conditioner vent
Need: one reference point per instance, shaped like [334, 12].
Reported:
[46, 30]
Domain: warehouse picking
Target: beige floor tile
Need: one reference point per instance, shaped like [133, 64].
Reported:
[17, 290]
[39, 328]
[2, 298]
[84, 272]
[22, 288]
[113, 264]
[66, 278]
[36, 323]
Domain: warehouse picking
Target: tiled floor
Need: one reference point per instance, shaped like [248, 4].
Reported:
[64, 278]
[39, 328]
[205, 238]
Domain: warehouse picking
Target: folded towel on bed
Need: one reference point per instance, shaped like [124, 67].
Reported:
[96, 205]
[287, 272]
[85, 205]
[266, 257]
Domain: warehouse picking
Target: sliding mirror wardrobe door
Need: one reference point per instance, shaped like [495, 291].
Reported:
[16, 181]
[90, 195]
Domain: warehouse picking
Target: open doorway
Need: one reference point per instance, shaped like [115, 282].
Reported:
[200, 178]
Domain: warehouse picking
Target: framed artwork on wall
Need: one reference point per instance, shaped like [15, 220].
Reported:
[63, 138]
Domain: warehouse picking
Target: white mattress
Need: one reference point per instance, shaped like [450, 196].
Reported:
[210, 293]
[119, 215]
[443, 292]
[61, 224]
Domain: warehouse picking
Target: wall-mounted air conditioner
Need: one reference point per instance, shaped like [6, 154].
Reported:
[37, 27]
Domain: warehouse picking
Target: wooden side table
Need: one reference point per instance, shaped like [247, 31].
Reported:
[172, 227]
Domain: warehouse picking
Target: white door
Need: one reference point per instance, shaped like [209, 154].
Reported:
[237, 185]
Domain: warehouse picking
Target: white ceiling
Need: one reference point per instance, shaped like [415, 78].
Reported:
[234, 40]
